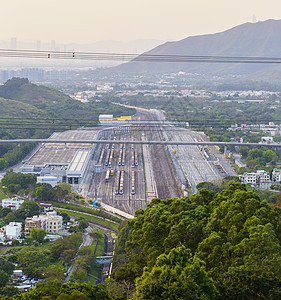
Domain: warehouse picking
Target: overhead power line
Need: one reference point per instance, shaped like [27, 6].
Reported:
[137, 57]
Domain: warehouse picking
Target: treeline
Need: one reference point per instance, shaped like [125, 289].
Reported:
[25, 185]
[223, 246]
[61, 291]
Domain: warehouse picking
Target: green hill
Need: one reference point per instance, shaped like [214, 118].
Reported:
[58, 105]
[32, 111]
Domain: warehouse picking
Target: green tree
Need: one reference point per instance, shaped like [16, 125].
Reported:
[32, 259]
[28, 208]
[53, 272]
[38, 234]
[6, 266]
[176, 275]
[10, 217]
[4, 211]
[3, 164]
[45, 192]
[4, 278]
[58, 290]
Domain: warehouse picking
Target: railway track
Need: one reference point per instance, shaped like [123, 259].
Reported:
[166, 181]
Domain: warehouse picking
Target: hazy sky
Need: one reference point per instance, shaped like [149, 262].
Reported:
[87, 21]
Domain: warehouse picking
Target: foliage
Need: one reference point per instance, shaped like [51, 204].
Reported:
[17, 181]
[32, 260]
[44, 111]
[53, 272]
[28, 208]
[4, 278]
[3, 164]
[45, 192]
[62, 291]
[235, 234]
[4, 211]
[38, 234]
[66, 247]
[176, 275]
[6, 266]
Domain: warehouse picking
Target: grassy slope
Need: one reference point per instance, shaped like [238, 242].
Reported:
[91, 218]
[2, 195]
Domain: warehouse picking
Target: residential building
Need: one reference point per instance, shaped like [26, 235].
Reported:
[276, 175]
[249, 178]
[13, 230]
[265, 185]
[17, 273]
[34, 222]
[263, 175]
[13, 203]
[2, 233]
[53, 222]
[47, 207]
[260, 179]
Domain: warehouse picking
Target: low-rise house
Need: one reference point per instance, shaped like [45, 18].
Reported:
[13, 203]
[2, 233]
[53, 222]
[34, 222]
[249, 178]
[265, 185]
[276, 175]
[13, 231]
[263, 176]
[47, 207]
[17, 274]
[260, 179]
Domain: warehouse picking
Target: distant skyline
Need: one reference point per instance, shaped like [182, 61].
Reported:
[89, 21]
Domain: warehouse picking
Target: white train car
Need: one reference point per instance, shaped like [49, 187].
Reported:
[107, 175]
[136, 158]
[117, 182]
[133, 188]
[121, 185]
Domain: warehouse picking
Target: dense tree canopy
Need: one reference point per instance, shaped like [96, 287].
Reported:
[235, 234]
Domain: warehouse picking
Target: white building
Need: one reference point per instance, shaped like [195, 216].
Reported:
[13, 203]
[263, 175]
[265, 185]
[47, 207]
[276, 175]
[53, 222]
[52, 180]
[260, 179]
[249, 178]
[13, 231]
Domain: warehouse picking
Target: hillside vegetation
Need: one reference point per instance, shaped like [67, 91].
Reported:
[32, 111]
[223, 246]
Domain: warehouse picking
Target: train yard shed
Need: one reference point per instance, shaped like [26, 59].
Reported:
[66, 161]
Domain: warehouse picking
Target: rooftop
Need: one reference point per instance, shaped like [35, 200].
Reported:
[62, 153]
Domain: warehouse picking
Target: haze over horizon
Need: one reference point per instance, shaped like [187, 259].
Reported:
[89, 22]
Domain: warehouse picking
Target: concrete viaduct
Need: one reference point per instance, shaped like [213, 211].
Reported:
[179, 143]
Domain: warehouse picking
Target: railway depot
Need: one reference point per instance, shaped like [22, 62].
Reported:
[66, 162]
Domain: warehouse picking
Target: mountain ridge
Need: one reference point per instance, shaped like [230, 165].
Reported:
[248, 39]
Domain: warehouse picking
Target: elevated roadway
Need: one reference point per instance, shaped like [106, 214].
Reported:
[179, 143]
